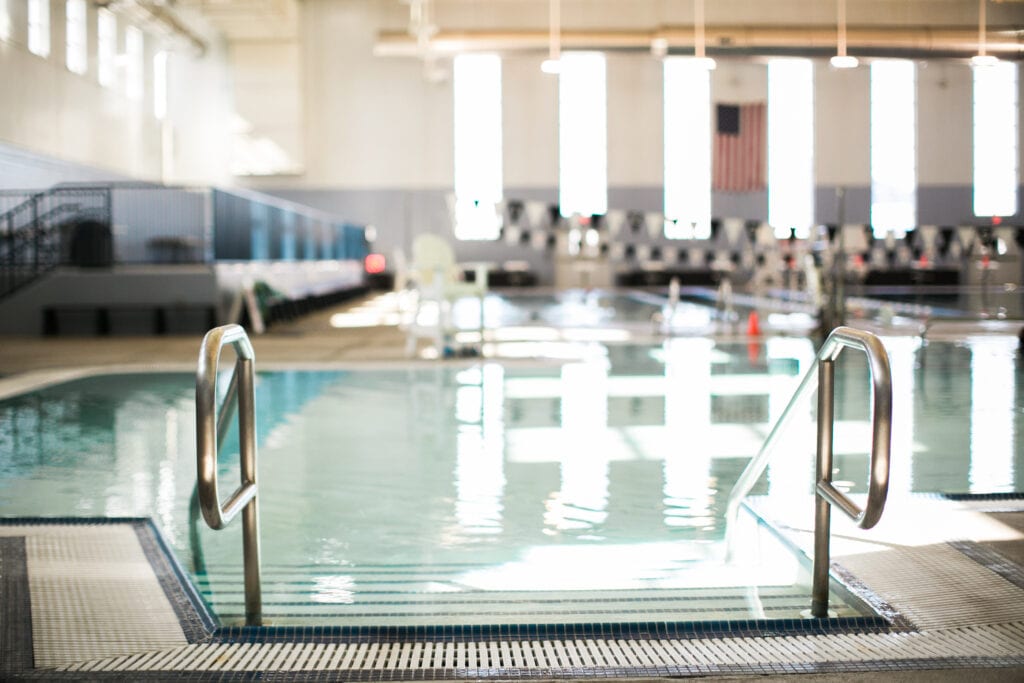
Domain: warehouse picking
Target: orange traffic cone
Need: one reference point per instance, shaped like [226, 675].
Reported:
[753, 325]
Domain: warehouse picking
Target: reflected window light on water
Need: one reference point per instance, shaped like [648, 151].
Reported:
[687, 467]
[166, 494]
[902, 360]
[480, 453]
[583, 496]
[334, 589]
[993, 385]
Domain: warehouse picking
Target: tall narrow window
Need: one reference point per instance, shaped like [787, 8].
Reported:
[5, 19]
[996, 139]
[106, 37]
[687, 148]
[134, 71]
[893, 147]
[478, 161]
[791, 146]
[39, 27]
[582, 134]
[76, 50]
[160, 85]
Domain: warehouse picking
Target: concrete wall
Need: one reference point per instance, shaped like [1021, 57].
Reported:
[132, 294]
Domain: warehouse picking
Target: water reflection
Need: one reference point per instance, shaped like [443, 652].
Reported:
[621, 445]
[992, 423]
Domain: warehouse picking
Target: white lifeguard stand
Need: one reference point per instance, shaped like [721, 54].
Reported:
[437, 282]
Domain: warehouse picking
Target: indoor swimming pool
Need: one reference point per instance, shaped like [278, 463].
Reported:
[583, 490]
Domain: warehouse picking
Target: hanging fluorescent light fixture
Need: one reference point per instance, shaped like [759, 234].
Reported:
[659, 47]
[553, 65]
[982, 58]
[842, 60]
[698, 42]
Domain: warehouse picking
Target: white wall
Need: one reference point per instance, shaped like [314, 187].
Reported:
[377, 122]
[200, 111]
[69, 117]
[268, 82]
[635, 121]
[530, 118]
[371, 122]
[842, 112]
[944, 123]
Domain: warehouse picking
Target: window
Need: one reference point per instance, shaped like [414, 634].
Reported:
[39, 27]
[106, 36]
[893, 147]
[687, 148]
[478, 161]
[791, 146]
[77, 55]
[582, 134]
[996, 139]
[134, 78]
[5, 19]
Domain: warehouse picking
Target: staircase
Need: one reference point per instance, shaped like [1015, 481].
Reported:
[45, 229]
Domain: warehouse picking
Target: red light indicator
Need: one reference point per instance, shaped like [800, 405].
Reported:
[374, 263]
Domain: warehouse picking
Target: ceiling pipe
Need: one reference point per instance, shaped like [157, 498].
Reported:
[160, 13]
[920, 42]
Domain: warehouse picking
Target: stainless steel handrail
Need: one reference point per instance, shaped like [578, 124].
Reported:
[211, 428]
[822, 377]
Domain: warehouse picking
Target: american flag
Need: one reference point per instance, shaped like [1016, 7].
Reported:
[739, 159]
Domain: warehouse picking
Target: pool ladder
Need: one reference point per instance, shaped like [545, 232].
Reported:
[822, 377]
[212, 427]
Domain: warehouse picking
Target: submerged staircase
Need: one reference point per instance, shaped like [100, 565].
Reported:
[431, 595]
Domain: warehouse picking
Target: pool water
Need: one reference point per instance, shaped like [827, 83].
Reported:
[587, 490]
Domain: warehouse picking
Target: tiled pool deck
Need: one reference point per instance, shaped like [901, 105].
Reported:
[103, 601]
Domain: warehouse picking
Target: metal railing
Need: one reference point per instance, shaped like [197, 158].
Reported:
[41, 230]
[822, 378]
[211, 428]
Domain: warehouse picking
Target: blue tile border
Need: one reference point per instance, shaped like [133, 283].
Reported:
[761, 628]
[991, 559]
[851, 588]
[1012, 495]
[195, 619]
[193, 615]
[882, 607]
[16, 650]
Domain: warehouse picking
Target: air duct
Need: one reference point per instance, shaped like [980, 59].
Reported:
[725, 40]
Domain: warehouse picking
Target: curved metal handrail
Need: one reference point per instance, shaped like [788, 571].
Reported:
[822, 377]
[211, 428]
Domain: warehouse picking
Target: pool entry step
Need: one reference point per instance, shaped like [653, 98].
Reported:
[436, 595]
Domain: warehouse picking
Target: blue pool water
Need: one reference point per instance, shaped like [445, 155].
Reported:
[415, 487]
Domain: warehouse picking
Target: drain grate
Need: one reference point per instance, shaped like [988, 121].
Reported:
[998, 645]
